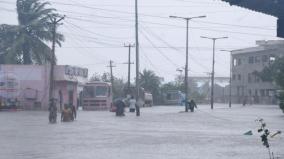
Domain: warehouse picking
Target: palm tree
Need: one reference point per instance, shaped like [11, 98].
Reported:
[26, 43]
[151, 82]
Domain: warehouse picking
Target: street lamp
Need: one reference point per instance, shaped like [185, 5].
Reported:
[230, 94]
[213, 67]
[180, 75]
[186, 60]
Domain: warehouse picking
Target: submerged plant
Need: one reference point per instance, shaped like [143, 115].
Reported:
[265, 136]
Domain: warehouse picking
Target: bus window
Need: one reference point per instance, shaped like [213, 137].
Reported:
[101, 91]
[89, 92]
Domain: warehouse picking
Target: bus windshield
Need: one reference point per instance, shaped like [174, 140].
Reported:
[101, 91]
[89, 92]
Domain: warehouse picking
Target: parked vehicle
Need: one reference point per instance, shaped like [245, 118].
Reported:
[173, 97]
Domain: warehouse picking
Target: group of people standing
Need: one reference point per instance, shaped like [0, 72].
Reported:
[68, 112]
[129, 101]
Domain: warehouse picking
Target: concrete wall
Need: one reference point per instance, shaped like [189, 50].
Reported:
[31, 84]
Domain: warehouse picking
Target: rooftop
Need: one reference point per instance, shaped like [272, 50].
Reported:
[262, 45]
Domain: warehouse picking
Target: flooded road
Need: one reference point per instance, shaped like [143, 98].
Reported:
[159, 133]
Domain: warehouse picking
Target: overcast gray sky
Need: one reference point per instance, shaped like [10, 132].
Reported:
[96, 31]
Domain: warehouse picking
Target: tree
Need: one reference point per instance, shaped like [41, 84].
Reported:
[95, 77]
[151, 82]
[25, 43]
[275, 73]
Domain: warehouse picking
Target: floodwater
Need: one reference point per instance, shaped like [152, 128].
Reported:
[159, 133]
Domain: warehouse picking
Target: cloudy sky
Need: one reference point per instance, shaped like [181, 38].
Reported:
[96, 31]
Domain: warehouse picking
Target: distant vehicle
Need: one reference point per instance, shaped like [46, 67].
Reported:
[173, 97]
[146, 96]
[97, 96]
[148, 99]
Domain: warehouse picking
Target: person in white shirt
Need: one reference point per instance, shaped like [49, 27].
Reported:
[132, 103]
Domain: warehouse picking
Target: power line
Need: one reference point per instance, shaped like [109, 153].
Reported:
[196, 28]
[75, 40]
[175, 49]
[234, 25]
[89, 31]
[158, 50]
[124, 12]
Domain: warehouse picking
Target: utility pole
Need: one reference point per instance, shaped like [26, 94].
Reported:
[54, 22]
[231, 62]
[187, 19]
[129, 64]
[111, 74]
[137, 60]
[213, 68]
[52, 106]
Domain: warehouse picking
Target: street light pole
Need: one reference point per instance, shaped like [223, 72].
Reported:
[187, 19]
[213, 68]
[179, 78]
[230, 93]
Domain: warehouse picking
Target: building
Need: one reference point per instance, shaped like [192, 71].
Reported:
[246, 85]
[28, 85]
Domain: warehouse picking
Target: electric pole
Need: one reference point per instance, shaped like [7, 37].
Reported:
[54, 22]
[111, 74]
[129, 64]
[138, 100]
[213, 68]
[187, 19]
[52, 106]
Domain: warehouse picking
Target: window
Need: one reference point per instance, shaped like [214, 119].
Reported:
[262, 93]
[239, 77]
[272, 58]
[257, 59]
[264, 58]
[251, 59]
[249, 92]
[249, 78]
[257, 79]
[89, 92]
[234, 77]
[256, 92]
[267, 92]
[101, 91]
[239, 62]
[235, 62]
[238, 91]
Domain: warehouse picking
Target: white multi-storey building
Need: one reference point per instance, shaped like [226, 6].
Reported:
[246, 85]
